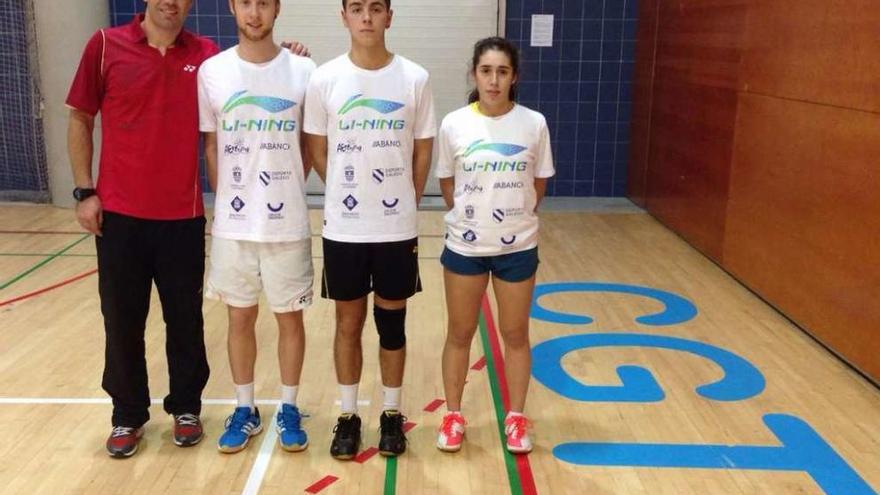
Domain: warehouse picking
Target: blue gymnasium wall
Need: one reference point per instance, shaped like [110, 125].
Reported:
[582, 86]
[22, 149]
[581, 83]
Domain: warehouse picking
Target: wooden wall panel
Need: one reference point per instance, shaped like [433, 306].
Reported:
[692, 116]
[760, 127]
[701, 41]
[815, 50]
[803, 225]
[642, 89]
[691, 144]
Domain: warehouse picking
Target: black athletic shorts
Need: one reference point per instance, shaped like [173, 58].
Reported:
[354, 269]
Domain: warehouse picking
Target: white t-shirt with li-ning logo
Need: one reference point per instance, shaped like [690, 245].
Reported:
[494, 161]
[370, 118]
[256, 111]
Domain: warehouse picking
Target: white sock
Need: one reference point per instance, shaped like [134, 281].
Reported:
[288, 394]
[391, 398]
[349, 396]
[244, 395]
[512, 414]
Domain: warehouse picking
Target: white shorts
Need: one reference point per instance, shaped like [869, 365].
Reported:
[239, 270]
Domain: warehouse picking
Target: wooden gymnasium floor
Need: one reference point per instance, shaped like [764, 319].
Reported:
[782, 415]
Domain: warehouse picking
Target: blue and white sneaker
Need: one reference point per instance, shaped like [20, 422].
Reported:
[240, 427]
[291, 436]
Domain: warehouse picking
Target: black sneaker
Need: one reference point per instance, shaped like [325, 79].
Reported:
[392, 441]
[346, 437]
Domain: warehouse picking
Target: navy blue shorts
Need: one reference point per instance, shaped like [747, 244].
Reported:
[513, 267]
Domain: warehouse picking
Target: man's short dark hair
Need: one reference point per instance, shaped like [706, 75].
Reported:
[387, 4]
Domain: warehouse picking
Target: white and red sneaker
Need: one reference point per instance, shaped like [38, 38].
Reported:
[516, 428]
[451, 432]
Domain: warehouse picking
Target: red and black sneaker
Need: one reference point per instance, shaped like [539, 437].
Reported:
[187, 430]
[123, 441]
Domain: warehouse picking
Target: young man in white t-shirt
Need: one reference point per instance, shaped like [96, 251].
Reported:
[370, 126]
[251, 100]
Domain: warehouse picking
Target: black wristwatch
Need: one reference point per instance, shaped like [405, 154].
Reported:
[81, 193]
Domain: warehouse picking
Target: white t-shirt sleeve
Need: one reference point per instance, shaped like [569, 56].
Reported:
[315, 113]
[544, 165]
[311, 65]
[426, 120]
[445, 155]
[207, 117]
[309, 69]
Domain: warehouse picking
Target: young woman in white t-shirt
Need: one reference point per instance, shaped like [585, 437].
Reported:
[493, 165]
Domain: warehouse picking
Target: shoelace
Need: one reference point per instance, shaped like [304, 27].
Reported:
[121, 431]
[395, 423]
[516, 426]
[346, 427]
[449, 422]
[239, 421]
[289, 420]
[188, 420]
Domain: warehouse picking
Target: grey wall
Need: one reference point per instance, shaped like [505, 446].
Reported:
[63, 27]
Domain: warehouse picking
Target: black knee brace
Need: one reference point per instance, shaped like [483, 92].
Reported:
[390, 325]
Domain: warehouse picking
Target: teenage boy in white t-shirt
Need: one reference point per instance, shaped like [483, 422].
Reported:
[370, 126]
[251, 101]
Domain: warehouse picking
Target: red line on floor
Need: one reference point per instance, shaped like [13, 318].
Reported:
[409, 425]
[47, 289]
[321, 484]
[480, 364]
[365, 455]
[433, 405]
[526, 477]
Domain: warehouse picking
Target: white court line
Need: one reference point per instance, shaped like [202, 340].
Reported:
[106, 400]
[47, 400]
[261, 464]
